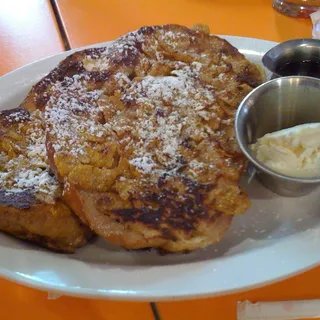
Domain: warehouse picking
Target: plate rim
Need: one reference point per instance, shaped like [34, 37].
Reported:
[134, 296]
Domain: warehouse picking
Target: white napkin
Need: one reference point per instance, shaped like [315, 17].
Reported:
[315, 18]
[279, 310]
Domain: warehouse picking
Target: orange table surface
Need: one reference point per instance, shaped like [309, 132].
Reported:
[31, 32]
[28, 32]
[87, 22]
[18, 302]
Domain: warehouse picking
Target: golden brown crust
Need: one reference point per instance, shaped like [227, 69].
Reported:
[132, 232]
[141, 135]
[30, 207]
[52, 226]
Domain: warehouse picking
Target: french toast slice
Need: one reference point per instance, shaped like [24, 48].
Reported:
[141, 135]
[30, 196]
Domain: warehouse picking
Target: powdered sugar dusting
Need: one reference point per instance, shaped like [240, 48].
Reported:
[149, 97]
[143, 163]
[24, 166]
[173, 104]
[65, 113]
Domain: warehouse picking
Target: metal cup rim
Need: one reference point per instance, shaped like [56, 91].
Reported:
[295, 43]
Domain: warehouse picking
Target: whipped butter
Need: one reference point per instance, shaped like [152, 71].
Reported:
[293, 152]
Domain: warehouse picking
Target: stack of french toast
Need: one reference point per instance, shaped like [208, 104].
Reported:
[133, 142]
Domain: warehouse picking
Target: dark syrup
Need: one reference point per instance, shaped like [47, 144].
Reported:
[302, 68]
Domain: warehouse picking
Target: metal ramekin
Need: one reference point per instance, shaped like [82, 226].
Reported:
[291, 51]
[278, 104]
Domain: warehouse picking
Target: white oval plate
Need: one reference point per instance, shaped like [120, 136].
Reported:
[276, 238]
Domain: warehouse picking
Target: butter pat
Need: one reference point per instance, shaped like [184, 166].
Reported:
[293, 152]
